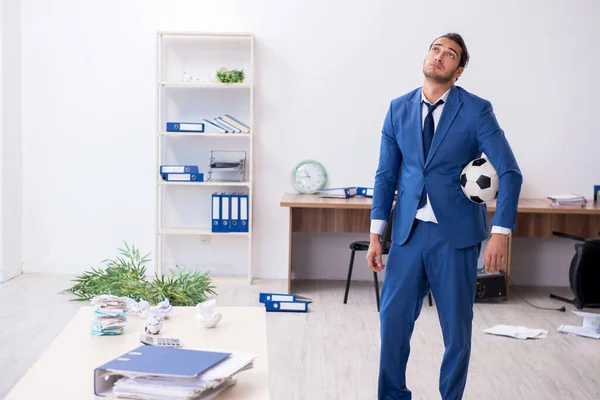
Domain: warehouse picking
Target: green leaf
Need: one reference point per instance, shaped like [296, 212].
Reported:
[125, 275]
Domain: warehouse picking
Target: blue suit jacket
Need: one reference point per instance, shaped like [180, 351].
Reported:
[467, 127]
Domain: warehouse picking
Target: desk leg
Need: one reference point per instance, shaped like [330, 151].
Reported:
[290, 247]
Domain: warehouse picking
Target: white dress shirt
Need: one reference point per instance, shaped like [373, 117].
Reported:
[426, 212]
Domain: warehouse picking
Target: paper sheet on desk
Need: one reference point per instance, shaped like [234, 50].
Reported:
[518, 332]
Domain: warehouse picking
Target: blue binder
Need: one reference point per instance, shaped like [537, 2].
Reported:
[216, 212]
[184, 177]
[286, 306]
[225, 212]
[364, 191]
[244, 207]
[156, 361]
[339, 193]
[265, 297]
[179, 169]
[185, 127]
[235, 212]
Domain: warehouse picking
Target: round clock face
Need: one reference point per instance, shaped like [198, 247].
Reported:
[309, 176]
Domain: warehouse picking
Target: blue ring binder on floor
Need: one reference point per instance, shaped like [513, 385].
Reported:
[286, 306]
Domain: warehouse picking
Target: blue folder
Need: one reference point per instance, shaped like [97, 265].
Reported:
[235, 212]
[286, 306]
[225, 212]
[184, 177]
[364, 191]
[157, 361]
[179, 169]
[216, 212]
[185, 127]
[244, 207]
[264, 297]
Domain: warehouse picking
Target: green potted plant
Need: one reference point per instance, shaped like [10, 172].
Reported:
[234, 76]
[125, 275]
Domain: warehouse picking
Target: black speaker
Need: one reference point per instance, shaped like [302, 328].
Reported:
[584, 273]
[490, 286]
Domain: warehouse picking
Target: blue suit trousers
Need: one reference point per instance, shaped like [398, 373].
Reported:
[427, 261]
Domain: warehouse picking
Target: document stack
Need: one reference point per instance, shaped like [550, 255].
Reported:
[338, 193]
[151, 372]
[221, 124]
[110, 315]
[278, 302]
[568, 200]
[225, 124]
[181, 173]
[229, 212]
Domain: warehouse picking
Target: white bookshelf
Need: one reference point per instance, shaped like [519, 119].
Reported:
[183, 209]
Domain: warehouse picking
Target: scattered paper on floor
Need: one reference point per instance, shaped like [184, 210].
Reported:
[590, 326]
[518, 332]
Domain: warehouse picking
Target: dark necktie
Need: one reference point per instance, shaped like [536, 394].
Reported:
[428, 129]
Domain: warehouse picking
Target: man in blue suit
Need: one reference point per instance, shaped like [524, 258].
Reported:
[428, 136]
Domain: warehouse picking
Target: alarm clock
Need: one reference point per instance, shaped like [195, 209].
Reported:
[309, 176]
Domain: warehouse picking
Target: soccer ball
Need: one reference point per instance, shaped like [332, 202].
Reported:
[479, 181]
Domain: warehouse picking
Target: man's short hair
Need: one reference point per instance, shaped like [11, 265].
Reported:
[464, 54]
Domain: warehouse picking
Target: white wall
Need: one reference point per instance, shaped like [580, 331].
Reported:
[11, 138]
[1, 136]
[326, 72]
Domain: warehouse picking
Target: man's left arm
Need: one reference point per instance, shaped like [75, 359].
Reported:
[492, 141]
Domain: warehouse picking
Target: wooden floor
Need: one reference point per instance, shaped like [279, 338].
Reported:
[333, 351]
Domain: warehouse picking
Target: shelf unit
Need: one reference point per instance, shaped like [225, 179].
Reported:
[200, 54]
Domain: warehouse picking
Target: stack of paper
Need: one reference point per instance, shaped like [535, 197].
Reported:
[150, 372]
[338, 193]
[568, 200]
[589, 328]
[203, 387]
[149, 387]
[110, 315]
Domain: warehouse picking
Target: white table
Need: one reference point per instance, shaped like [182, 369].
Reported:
[66, 369]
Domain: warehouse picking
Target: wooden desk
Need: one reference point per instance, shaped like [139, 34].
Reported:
[535, 218]
[66, 369]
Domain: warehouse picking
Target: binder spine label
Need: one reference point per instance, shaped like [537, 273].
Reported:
[179, 177]
[216, 213]
[174, 170]
[292, 306]
[279, 297]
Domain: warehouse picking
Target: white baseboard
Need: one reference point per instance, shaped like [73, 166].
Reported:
[5, 277]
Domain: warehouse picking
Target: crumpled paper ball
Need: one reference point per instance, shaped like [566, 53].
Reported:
[208, 314]
[153, 324]
[164, 309]
[133, 307]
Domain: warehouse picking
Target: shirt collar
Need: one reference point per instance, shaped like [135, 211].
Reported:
[444, 96]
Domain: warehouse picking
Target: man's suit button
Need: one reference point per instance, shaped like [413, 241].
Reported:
[424, 173]
[418, 197]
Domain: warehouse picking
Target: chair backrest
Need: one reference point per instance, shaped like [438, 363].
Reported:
[386, 237]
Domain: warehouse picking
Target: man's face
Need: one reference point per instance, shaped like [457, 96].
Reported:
[441, 63]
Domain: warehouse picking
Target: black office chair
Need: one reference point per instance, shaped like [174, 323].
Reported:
[386, 242]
